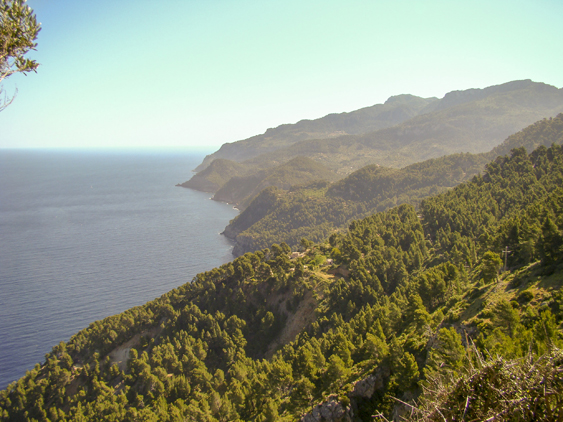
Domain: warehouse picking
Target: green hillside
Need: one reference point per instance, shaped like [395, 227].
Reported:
[214, 176]
[544, 132]
[241, 190]
[316, 211]
[409, 313]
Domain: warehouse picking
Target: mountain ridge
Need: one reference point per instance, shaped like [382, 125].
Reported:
[358, 121]
[463, 121]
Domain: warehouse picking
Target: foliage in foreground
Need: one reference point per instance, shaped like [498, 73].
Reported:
[524, 389]
[18, 32]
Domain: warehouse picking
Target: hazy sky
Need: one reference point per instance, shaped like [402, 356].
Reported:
[201, 73]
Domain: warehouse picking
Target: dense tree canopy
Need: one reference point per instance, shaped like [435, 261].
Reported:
[403, 315]
[316, 210]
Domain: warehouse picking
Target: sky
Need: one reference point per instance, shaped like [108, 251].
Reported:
[197, 74]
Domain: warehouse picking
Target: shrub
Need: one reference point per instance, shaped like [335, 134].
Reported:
[525, 296]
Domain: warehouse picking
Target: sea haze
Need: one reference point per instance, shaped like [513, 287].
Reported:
[88, 234]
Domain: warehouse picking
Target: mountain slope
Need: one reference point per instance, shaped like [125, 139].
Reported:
[241, 190]
[216, 175]
[473, 121]
[472, 126]
[315, 211]
[395, 110]
[410, 299]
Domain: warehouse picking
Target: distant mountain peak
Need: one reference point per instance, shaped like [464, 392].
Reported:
[403, 98]
[457, 97]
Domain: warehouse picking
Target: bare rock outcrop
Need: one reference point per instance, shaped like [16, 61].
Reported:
[329, 411]
[332, 410]
[367, 386]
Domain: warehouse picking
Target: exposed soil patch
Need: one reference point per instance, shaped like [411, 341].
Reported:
[120, 355]
[296, 322]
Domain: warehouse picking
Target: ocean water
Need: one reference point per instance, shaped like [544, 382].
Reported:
[88, 234]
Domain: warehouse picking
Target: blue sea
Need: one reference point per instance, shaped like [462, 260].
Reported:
[88, 234]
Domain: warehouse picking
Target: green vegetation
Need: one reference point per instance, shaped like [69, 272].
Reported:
[18, 32]
[235, 184]
[214, 176]
[543, 132]
[317, 210]
[276, 215]
[241, 190]
[405, 309]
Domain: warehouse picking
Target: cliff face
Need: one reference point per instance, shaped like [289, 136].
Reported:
[214, 176]
[243, 244]
[261, 205]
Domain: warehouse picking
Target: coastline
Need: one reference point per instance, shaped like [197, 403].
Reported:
[94, 252]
